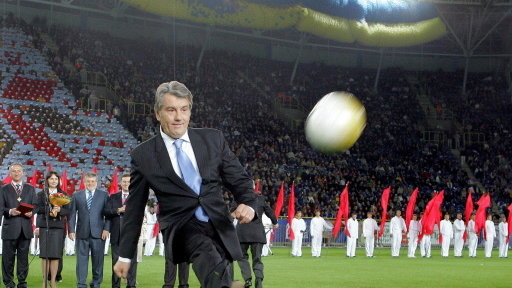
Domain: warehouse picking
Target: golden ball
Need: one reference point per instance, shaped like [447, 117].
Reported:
[336, 122]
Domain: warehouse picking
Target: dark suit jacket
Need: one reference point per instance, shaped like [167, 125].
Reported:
[45, 209]
[90, 223]
[254, 232]
[14, 226]
[114, 202]
[152, 168]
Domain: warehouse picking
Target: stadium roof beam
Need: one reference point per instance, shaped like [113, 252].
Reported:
[302, 41]
[209, 32]
[471, 2]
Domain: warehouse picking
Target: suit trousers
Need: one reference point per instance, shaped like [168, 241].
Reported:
[11, 250]
[96, 246]
[132, 273]
[203, 248]
[257, 265]
[170, 274]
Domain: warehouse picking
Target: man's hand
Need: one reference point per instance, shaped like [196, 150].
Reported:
[72, 236]
[243, 213]
[104, 234]
[28, 214]
[15, 212]
[36, 232]
[276, 226]
[121, 269]
[121, 209]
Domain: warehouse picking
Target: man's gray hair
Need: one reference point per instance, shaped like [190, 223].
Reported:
[175, 88]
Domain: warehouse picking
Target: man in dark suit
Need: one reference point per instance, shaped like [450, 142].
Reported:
[252, 235]
[171, 270]
[114, 211]
[17, 228]
[193, 217]
[91, 230]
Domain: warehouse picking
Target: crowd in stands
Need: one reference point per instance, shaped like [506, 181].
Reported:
[235, 93]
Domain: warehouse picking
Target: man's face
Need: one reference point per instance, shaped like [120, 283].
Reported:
[317, 213]
[125, 183]
[414, 217]
[174, 115]
[398, 213]
[446, 217]
[354, 216]
[16, 173]
[369, 215]
[473, 217]
[91, 183]
[299, 215]
[459, 216]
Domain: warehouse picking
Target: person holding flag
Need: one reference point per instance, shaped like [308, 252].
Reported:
[490, 233]
[446, 230]
[397, 227]
[458, 235]
[316, 229]
[352, 235]
[370, 227]
[503, 237]
[298, 228]
[412, 235]
[472, 236]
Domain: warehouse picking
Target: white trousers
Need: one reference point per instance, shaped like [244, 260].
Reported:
[107, 245]
[472, 244]
[369, 245]
[396, 242]
[503, 247]
[150, 242]
[161, 245]
[69, 246]
[488, 246]
[297, 245]
[413, 243]
[316, 245]
[351, 246]
[458, 245]
[425, 246]
[265, 251]
[445, 246]
[34, 246]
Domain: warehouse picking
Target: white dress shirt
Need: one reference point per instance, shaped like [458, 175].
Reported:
[186, 147]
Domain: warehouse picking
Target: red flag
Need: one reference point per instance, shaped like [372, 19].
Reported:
[481, 213]
[438, 222]
[384, 204]
[410, 207]
[7, 179]
[342, 213]
[509, 220]
[291, 212]
[431, 214]
[468, 212]
[35, 177]
[64, 181]
[257, 187]
[156, 230]
[82, 182]
[114, 187]
[48, 167]
[279, 201]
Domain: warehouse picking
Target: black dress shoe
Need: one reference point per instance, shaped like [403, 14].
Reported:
[248, 283]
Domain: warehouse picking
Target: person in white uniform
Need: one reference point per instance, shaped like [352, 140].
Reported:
[397, 227]
[412, 235]
[472, 237]
[370, 227]
[446, 231]
[425, 244]
[316, 229]
[353, 229]
[490, 231]
[151, 220]
[458, 235]
[503, 235]
[298, 228]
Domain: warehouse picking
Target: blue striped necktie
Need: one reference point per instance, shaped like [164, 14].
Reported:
[190, 176]
[89, 199]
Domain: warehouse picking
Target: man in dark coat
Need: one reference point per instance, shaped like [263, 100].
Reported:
[187, 169]
[252, 235]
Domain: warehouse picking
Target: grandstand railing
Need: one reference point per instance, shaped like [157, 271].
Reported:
[437, 137]
[93, 78]
[473, 138]
[137, 108]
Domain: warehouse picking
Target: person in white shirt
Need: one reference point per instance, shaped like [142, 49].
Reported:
[446, 231]
[503, 235]
[298, 228]
[353, 229]
[472, 237]
[397, 227]
[458, 235]
[151, 220]
[490, 231]
[425, 244]
[370, 227]
[316, 229]
[412, 235]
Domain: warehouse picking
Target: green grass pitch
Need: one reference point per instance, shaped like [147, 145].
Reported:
[333, 269]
